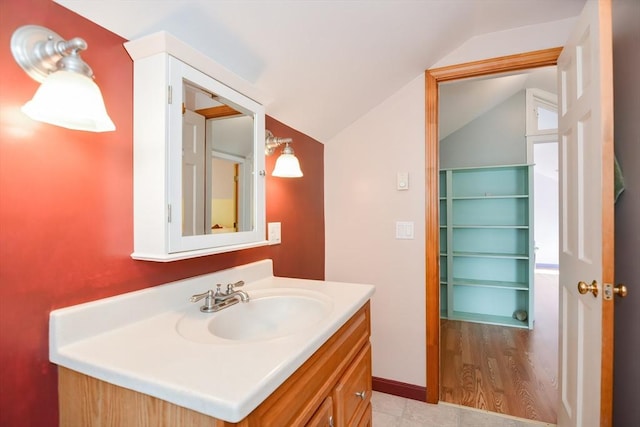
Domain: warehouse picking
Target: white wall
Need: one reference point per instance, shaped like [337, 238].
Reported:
[497, 137]
[361, 208]
[510, 42]
[362, 205]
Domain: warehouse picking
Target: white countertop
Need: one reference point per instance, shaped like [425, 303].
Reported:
[131, 340]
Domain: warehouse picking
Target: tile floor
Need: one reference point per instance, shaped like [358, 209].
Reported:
[394, 411]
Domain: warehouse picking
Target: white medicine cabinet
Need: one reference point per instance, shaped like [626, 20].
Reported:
[198, 137]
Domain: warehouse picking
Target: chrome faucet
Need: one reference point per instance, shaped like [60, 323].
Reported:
[216, 301]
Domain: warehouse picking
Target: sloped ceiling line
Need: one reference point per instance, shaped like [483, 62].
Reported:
[324, 63]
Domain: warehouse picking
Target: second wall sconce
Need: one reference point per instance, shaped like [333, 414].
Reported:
[287, 165]
[68, 96]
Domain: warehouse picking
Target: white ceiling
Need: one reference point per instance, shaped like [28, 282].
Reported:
[322, 63]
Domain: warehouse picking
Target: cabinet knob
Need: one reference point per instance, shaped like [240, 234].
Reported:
[361, 394]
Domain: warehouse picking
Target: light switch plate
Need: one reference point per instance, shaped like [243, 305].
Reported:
[274, 233]
[404, 229]
[402, 181]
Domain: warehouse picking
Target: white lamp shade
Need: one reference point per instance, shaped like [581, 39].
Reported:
[287, 166]
[71, 100]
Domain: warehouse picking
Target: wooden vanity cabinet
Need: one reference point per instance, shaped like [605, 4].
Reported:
[332, 388]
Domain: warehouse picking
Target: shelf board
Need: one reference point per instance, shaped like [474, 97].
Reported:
[516, 286]
[481, 197]
[488, 167]
[504, 227]
[486, 318]
[489, 255]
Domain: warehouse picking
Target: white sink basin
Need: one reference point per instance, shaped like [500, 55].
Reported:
[168, 339]
[270, 314]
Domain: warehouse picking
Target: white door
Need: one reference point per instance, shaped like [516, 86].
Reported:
[586, 218]
[193, 173]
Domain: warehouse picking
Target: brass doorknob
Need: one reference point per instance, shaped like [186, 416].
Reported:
[583, 288]
[620, 290]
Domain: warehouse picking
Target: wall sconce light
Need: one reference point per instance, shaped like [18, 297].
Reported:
[68, 96]
[287, 165]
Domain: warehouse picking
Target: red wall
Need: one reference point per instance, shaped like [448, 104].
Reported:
[66, 212]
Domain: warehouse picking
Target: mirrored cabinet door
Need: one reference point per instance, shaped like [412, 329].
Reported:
[198, 161]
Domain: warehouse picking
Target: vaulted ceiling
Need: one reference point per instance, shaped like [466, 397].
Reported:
[322, 64]
[465, 100]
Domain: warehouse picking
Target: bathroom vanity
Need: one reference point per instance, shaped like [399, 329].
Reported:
[297, 353]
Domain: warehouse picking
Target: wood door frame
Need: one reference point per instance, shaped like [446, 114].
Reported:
[433, 77]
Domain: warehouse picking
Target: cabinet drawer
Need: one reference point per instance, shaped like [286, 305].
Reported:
[323, 416]
[353, 392]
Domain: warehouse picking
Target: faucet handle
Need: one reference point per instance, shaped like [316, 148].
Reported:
[238, 284]
[198, 297]
[209, 302]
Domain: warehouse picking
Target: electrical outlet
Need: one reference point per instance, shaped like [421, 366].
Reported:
[274, 233]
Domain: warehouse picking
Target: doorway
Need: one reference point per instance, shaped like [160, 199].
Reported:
[433, 78]
[489, 360]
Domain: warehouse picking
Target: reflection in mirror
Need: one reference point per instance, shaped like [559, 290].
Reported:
[217, 164]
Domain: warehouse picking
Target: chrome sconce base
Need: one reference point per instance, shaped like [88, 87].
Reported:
[39, 50]
[68, 96]
[287, 165]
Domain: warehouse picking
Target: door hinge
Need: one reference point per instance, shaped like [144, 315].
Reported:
[169, 95]
[169, 213]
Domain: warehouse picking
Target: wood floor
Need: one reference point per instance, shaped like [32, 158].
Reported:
[501, 369]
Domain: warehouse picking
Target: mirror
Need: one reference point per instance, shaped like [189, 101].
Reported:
[217, 164]
[216, 151]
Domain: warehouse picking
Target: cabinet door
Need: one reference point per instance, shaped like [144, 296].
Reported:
[323, 416]
[353, 392]
[366, 420]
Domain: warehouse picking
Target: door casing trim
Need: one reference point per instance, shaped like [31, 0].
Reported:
[433, 77]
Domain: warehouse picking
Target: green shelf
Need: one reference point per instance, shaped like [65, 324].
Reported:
[491, 284]
[486, 244]
[490, 255]
[488, 319]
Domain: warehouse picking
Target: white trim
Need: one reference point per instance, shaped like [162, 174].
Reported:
[227, 156]
[538, 98]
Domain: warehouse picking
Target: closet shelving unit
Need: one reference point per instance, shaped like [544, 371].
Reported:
[486, 244]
